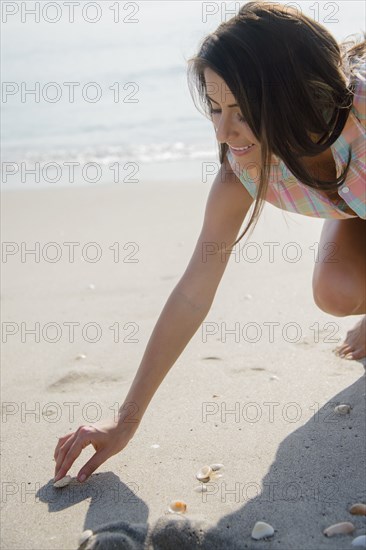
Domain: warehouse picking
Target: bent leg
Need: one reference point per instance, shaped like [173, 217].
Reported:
[339, 278]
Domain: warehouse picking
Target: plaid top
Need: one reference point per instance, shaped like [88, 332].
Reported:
[288, 193]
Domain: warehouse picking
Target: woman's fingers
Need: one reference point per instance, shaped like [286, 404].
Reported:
[96, 460]
[61, 441]
[71, 449]
[107, 440]
[61, 457]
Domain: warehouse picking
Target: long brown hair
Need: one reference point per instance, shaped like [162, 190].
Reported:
[289, 77]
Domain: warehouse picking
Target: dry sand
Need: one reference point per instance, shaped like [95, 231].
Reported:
[288, 459]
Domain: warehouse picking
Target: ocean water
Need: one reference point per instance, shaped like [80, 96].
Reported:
[110, 90]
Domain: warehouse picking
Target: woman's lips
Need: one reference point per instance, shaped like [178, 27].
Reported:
[241, 151]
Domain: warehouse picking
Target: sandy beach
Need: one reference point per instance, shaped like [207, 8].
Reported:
[255, 389]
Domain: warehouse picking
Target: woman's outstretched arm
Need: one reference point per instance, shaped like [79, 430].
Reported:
[185, 310]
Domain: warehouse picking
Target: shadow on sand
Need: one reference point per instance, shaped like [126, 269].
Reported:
[318, 473]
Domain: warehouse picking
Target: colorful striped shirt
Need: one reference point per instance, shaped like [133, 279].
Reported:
[286, 192]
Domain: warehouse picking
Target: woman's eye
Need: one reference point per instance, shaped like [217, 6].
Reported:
[217, 111]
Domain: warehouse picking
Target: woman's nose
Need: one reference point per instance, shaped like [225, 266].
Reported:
[224, 129]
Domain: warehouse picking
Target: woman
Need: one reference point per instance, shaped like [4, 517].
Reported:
[288, 107]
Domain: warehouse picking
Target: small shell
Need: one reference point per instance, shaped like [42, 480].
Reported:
[342, 409]
[344, 527]
[358, 509]
[216, 467]
[62, 482]
[359, 542]
[81, 356]
[155, 446]
[85, 535]
[177, 507]
[204, 474]
[262, 530]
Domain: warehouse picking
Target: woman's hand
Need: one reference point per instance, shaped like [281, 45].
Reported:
[107, 440]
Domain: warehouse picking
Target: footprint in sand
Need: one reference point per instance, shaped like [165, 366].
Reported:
[257, 368]
[73, 379]
[245, 370]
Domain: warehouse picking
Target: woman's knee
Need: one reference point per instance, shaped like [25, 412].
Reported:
[337, 293]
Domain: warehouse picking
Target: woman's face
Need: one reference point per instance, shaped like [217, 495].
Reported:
[228, 121]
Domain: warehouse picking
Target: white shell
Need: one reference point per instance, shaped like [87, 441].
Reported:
[339, 529]
[342, 409]
[81, 356]
[177, 507]
[359, 542]
[216, 467]
[262, 530]
[204, 474]
[155, 446]
[85, 535]
[62, 482]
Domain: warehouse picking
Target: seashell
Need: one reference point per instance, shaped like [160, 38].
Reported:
[155, 446]
[62, 482]
[359, 542]
[273, 377]
[85, 535]
[339, 529]
[81, 356]
[358, 509]
[216, 467]
[177, 507]
[262, 530]
[204, 474]
[248, 297]
[342, 409]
